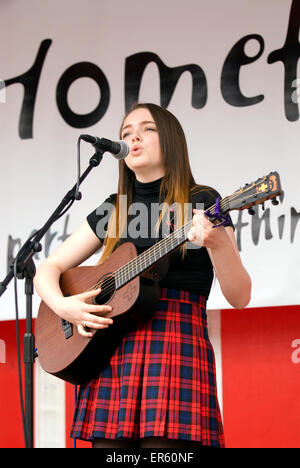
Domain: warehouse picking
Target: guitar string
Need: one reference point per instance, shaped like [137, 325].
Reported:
[149, 252]
[110, 285]
[128, 269]
[164, 244]
[158, 245]
[141, 261]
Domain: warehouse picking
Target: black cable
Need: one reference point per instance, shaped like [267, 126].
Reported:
[26, 436]
[15, 265]
[65, 210]
[77, 196]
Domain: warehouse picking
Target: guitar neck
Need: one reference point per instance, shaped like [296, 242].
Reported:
[265, 188]
[154, 254]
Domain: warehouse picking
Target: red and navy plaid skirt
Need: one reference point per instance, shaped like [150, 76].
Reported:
[160, 382]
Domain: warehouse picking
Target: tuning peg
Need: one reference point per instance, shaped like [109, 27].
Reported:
[251, 211]
[275, 202]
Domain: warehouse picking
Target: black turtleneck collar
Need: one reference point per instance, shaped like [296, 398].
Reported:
[147, 189]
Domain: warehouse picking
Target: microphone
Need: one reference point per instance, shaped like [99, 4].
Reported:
[119, 149]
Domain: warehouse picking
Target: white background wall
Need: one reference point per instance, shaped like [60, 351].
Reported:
[229, 146]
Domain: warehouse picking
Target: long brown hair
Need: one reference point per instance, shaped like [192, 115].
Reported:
[176, 185]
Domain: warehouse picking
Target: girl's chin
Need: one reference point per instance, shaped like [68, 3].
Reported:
[137, 165]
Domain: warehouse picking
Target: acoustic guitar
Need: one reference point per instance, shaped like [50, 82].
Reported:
[130, 284]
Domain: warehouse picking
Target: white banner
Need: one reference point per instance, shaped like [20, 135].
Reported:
[229, 72]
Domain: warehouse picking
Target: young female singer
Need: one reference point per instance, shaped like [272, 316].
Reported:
[159, 387]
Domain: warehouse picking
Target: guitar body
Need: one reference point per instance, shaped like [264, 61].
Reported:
[62, 351]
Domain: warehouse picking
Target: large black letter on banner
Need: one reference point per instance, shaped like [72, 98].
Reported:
[135, 67]
[289, 56]
[82, 70]
[230, 80]
[30, 81]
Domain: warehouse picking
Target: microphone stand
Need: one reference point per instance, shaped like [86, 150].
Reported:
[23, 266]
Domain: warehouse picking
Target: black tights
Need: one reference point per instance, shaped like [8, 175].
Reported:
[149, 442]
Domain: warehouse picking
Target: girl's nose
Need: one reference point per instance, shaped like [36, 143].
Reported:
[135, 137]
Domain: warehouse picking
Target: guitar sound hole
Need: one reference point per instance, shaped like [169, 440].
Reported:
[108, 287]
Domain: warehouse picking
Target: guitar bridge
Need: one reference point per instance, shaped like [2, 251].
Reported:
[67, 328]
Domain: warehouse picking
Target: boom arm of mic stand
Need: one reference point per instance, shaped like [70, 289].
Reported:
[32, 246]
[24, 266]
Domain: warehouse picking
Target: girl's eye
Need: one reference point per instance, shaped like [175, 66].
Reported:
[153, 129]
[146, 129]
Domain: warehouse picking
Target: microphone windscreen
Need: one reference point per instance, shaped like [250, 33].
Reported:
[124, 150]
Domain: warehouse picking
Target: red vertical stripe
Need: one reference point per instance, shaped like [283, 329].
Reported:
[11, 428]
[261, 377]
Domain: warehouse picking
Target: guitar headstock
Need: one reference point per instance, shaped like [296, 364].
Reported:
[256, 193]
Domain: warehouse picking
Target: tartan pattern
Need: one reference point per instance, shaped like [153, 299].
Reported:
[161, 381]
